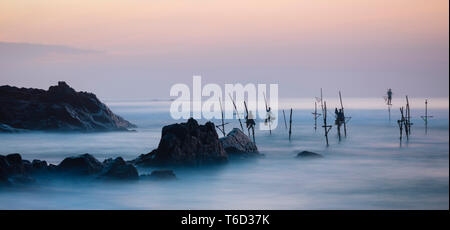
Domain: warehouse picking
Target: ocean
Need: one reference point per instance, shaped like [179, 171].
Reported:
[368, 169]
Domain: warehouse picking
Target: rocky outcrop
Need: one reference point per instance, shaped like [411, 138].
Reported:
[308, 155]
[160, 175]
[118, 169]
[84, 164]
[60, 108]
[15, 170]
[237, 143]
[186, 143]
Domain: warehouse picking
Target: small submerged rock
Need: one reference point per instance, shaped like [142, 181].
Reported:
[160, 175]
[309, 155]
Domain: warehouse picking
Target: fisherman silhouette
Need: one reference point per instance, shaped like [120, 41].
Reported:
[250, 121]
[339, 116]
[269, 116]
[389, 96]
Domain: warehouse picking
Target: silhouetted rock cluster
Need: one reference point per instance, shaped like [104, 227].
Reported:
[186, 143]
[60, 108]
[13, 169]
[181, 144]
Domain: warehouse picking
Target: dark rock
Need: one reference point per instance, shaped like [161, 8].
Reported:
[14, 158]
[119, 169]
[16, 165]
[160, 175]
[52, 168]
[307, 154]
[14, 170]
[84, 164]
[27, 166]
[186, 143]
[4, 170]
[38, 166]
[60, 108]
[236, 142]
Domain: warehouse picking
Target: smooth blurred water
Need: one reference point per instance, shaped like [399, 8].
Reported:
[367, 170]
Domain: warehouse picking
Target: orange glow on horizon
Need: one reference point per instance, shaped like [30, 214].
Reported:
[158, 26]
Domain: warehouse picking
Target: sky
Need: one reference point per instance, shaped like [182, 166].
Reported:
[137, 49]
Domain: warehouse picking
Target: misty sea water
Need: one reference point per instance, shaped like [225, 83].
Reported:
[368, 169]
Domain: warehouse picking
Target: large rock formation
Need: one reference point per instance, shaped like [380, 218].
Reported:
[237, 143]
[60, 108]
[186, 143]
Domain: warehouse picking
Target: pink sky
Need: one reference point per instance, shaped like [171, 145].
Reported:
[292, 41]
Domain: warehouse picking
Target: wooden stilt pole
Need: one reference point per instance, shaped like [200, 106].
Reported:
[401, 123]
[237, 112]
[408, 119]
[223, 122]
[425, 118]
[321, 100]
[246, 111]
[325, 126]
[290, 125]
[316, 115]
[251, 126]
[268, 117]
[389, 110]
[339, 131]
[253, 134]
[285, 124]
[345, 123]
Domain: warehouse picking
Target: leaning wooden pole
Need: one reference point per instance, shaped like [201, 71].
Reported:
[284, 115]
[401, 122]
[290, 125]
[223, 116]
[408, 116]
[246, 111]
[237, 112]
